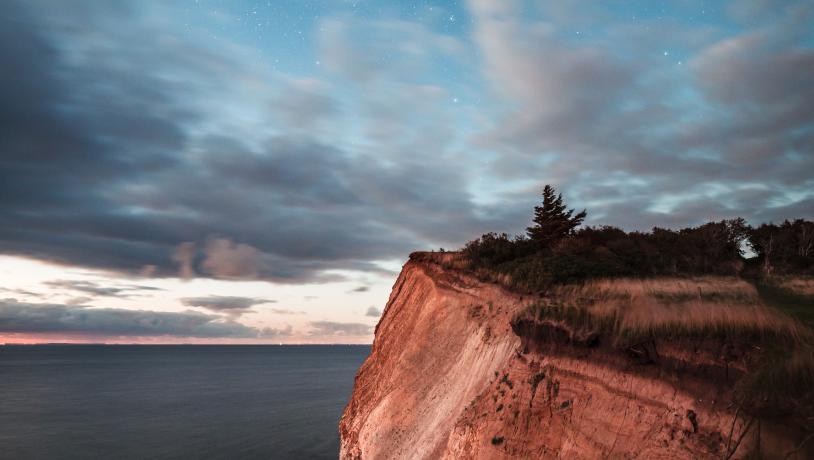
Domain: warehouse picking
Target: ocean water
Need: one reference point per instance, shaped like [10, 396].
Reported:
[174, 402]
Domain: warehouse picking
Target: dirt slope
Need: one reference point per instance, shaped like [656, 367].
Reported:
[448, 377]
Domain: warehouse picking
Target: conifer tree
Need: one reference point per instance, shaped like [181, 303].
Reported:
[553, 221]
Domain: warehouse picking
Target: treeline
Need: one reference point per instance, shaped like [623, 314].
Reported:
[556, 250]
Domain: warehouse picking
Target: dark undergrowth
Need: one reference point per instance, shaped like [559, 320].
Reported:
[796, 305]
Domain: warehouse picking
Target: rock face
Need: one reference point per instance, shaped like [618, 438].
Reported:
[451, 376]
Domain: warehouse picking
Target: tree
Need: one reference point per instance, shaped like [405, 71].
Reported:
[785, 248]
[553, 221]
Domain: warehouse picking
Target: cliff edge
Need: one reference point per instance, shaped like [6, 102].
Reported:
[462, 368]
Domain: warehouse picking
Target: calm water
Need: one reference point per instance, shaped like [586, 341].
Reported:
[173, 402]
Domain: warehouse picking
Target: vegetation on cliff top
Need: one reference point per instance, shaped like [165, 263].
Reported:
[555, 251]
[631, 287]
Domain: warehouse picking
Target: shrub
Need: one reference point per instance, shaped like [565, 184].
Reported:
[609, 252]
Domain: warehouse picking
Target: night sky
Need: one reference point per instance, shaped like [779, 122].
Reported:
[258, 171]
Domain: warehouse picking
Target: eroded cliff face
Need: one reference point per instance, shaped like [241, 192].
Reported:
[448, 377]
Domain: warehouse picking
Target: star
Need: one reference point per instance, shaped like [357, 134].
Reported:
[451, 18]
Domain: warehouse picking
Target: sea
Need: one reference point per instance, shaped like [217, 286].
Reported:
[174, 401]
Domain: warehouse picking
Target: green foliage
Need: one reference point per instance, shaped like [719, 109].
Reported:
[553, 220]
[556, 252]
[784, 248]
[493, 249]
[608, 252]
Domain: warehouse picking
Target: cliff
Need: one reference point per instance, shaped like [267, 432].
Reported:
[462, 368]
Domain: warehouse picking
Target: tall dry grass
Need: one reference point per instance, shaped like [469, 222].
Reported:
[629, 311]
[798, 285]
[454, 260]
[672, 306]
[697, 286]
[632, 307]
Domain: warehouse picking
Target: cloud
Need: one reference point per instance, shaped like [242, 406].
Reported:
[129, 142]
[328, 328]
[374, 312]
[78, 301]
[227, 259]
[184, 256]
[306, 107]
[285, 311]
[616, 112]
[272, 332]
[558, 89]
[20, 317]
[116, 166]
[96, 289]
[360, 289]
[230, 305]
[22, 292]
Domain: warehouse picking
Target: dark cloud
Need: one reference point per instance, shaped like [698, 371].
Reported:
[106, 172]
[132, 145]
[374, 312]
[360, 289]
[19, 317]
[184, 256]
[643, 138]
[230, 305]
[97, 289]
[329, 328]
[93, 148]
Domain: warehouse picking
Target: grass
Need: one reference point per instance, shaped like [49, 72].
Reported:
[781, 382]
[800, 285]
[666, 307]
[789, 296]
[774, 318]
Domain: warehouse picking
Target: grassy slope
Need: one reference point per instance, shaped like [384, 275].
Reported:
[773, 318]
[784, 297]
[668, 307]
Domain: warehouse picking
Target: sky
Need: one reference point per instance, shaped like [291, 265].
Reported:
[257, 172]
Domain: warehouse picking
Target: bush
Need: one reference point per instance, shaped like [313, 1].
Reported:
[494, 249]
[555, 252]
[609, 252]
[786, 248]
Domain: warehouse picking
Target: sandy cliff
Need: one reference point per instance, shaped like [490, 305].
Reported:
[453, 373]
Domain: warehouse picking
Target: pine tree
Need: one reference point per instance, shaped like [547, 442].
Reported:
[553, 221]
